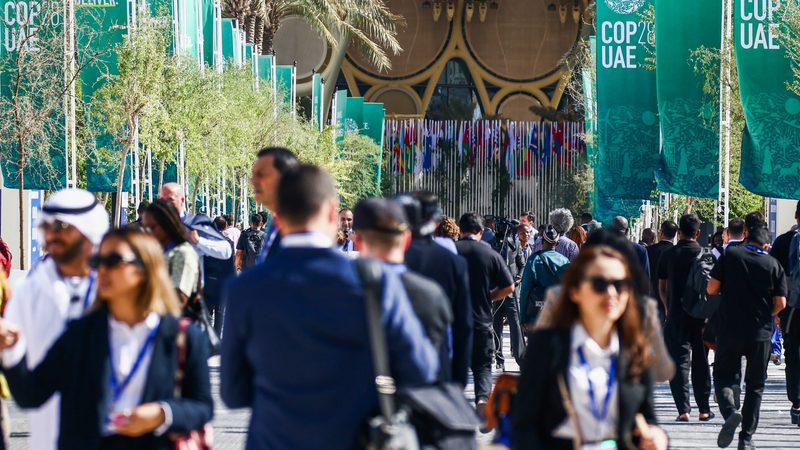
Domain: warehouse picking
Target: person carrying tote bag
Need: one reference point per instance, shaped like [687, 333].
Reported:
[585, 381]
[116, 368]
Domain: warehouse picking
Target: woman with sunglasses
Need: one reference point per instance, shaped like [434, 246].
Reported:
[183, 263]
[116, 367]
[586, 383]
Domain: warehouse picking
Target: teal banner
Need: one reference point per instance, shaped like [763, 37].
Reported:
[286, 84]
[230, 41]
[212, 26]
[189, 26]
[317, 92]
[689, 118]
[771, 138]
[340, 103]
[373, 115]
[35, 27]
[626, 102]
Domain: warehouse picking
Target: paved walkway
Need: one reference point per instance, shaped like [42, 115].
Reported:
[774, 431]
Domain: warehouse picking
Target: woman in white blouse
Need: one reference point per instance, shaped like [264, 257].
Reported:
[586, 383]
[117, 367]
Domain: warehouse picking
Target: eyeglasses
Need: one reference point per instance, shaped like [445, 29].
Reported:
[112, 260]
[600, 285]
[54, 226]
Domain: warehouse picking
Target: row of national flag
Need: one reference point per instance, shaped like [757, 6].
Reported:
[519, 148]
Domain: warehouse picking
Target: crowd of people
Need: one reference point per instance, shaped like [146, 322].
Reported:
[107, 340]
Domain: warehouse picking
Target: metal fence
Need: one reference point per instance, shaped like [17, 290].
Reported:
[491, 167]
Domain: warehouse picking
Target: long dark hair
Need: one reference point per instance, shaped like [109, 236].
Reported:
[165, 214]
[629, 325]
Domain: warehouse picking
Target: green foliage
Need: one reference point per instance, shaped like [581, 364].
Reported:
[789, 37]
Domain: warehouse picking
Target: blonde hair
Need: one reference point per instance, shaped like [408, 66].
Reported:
[156, 293]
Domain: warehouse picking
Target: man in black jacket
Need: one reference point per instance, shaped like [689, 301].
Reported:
[489, 281]
[654, 252]
[448, 270]
[382, 232]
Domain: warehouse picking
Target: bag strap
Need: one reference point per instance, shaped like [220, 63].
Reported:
[180, 344]
[371, 274]
[569, 408]
[547, 266]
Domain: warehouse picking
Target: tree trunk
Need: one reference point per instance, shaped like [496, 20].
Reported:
[193, 205]
[133, 129]
[336, 65]
[161, 163]
[258, 33]
[21, 192]
[250, 25]
[267, 37]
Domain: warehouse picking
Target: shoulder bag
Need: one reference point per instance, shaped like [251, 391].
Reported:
[429, 417]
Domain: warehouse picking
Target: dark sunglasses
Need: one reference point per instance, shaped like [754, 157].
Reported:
[112, 260]
[600, 285]
[54, 226]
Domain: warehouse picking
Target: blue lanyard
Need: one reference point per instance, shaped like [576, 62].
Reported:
[599, 414]
[92, 277]
[116, 387]
[760, 251]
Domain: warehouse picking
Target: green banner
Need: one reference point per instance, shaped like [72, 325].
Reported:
[189, 26]
[626, 101]
[230, 41]
[373, 127]
[340, 103]
[286, 84]
[39, 25]
[605, 208]
[771, 138]
[211, 27]
[353, 114]
[102, 167]
[317, 92]
[689, 118]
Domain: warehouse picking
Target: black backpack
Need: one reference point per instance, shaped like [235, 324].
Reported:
[695, 301]
[255, 241]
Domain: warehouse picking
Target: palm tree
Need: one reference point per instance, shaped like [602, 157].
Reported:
[368, 24]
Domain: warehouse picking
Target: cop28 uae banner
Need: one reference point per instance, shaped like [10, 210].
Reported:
[626, 101]
[689, 118]
[771, 138]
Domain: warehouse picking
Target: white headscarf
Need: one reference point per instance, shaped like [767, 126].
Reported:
[80, 209]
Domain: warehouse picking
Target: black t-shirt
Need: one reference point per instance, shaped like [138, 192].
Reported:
[780, 248]
[487, 271]
[750, 280]
[250, 243]
[674, 266]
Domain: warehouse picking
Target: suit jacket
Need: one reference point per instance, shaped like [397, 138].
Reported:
[539, 410]
[78, 367]
[450, 271]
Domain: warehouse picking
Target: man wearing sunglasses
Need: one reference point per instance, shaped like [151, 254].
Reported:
[58, 289]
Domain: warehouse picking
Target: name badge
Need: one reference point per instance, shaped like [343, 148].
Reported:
[605, 445]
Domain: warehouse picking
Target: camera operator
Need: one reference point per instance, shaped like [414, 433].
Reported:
[507, 243]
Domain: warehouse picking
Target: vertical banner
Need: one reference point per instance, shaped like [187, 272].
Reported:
[626, 101]
[285, 79]
[317, 92]
[230, 41]
[188, 24]
[40, 25]
[340, 102]
[353, 114]
[771, 138]
[212, 27]
[373, 127]
[689, 118]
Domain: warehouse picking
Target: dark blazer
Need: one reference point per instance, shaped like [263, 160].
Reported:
[538, 407]
[449, 270]
[78, 367]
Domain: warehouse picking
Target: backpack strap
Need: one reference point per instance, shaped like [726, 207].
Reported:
[371, 274]
[180, 344]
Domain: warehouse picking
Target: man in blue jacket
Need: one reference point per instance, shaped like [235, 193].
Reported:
[296, 348]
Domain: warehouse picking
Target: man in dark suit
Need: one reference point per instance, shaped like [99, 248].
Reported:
[665, 237]
[271, 163]
[295, 349]
[508, 308]
[445, 268]
[382, 232]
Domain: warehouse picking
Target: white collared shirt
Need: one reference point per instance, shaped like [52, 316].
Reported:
[599, 361]
[306, 240]
[126, 342]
